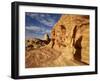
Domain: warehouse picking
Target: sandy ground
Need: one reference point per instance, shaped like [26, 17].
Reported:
[48, 57]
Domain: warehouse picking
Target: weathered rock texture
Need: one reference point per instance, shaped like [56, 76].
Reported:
[70, 35]
[68, 46]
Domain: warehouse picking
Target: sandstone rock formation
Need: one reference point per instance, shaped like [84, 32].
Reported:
[70, 35]
[68, 46]
[31, 44]
[46, 37]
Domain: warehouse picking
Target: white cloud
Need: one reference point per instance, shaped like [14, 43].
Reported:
[31, 14]
[32, 28]
[42, 18]
[48, 22]
[37, 29]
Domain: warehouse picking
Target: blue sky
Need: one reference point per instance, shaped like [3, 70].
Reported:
[37, 24]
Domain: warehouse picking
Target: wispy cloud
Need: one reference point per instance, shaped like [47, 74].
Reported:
[37, 24]
[36, 29]
[48, 22]
[43, 18]
[33, 28]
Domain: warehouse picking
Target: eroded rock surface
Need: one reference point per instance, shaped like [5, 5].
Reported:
[69, 44]
[70, 35]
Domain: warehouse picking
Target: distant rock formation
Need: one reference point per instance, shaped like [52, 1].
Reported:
[70, 35]
[46, 37]
[31, 44]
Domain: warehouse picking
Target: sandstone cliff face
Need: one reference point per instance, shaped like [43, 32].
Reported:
[68, 45]
[70, 36]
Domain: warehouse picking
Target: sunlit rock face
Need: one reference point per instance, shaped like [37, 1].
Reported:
[68, 44]
[70, 35]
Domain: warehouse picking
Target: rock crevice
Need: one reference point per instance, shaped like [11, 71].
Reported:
[70, 35]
